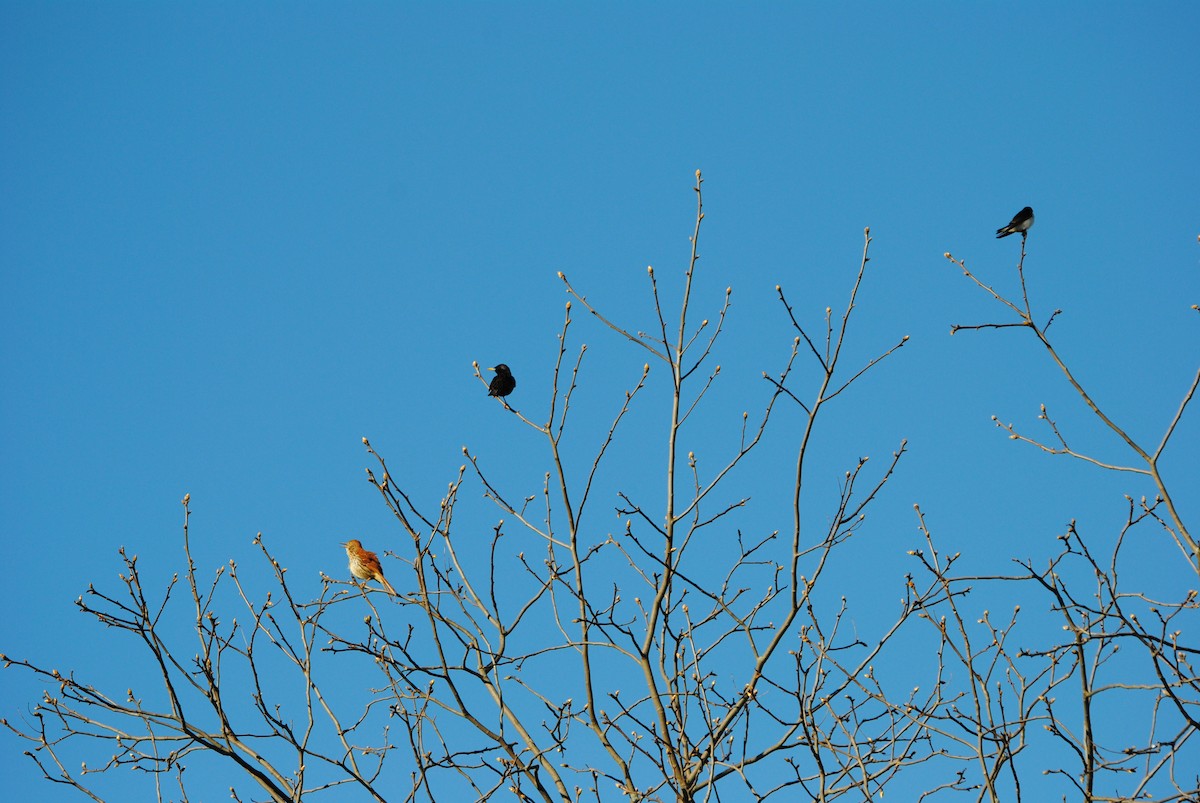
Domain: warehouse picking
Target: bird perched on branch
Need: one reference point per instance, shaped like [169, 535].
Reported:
[503, 382]
[364, 564]
[1018, 225]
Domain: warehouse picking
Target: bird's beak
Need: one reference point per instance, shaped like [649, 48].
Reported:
[493, 370]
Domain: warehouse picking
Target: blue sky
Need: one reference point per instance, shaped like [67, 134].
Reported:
[234, 239]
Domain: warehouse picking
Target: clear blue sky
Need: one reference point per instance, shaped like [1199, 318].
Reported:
[236, 238]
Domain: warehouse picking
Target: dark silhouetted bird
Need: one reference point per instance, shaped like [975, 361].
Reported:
[503, 383]
[1018, 225]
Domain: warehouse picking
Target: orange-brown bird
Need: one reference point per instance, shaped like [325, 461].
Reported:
[364, 564]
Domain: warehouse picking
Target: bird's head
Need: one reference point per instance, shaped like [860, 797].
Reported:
[353, 543]
[501, 369]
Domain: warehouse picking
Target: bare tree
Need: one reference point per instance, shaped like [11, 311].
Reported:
[225, 701]
[1126, 655]
[690, 653]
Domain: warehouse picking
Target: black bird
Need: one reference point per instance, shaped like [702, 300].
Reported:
[1018, 225]
[503, 383]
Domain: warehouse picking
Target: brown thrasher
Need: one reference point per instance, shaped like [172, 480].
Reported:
[364, 564]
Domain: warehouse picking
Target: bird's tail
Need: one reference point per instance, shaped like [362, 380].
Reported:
[387, 586]
[1004, 232]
